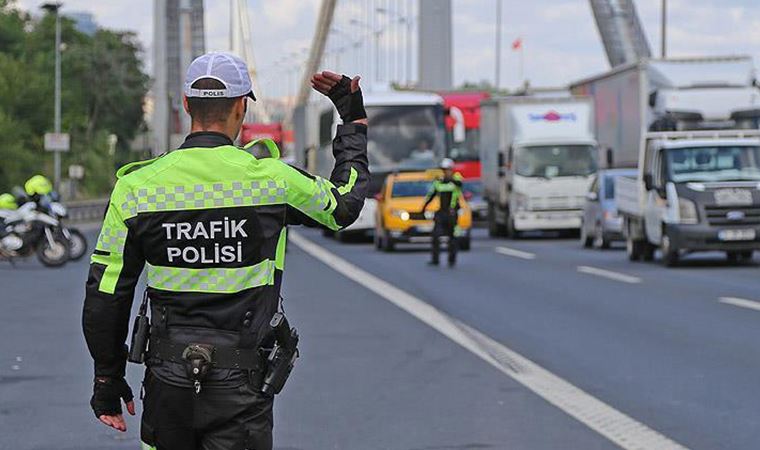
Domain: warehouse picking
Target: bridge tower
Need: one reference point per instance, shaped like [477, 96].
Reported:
[621, 31]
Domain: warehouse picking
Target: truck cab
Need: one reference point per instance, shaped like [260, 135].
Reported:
[538, 158]
[697, 191]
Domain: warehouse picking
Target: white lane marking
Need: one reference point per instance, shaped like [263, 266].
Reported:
[740, 302]
[619, 428]
[617, 276]
[513, 252]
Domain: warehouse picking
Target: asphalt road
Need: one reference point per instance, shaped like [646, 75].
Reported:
[673, 349]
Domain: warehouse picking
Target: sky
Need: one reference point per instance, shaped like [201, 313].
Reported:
[560, 40]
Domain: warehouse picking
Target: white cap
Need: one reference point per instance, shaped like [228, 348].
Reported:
[447, 163]
[226, 68]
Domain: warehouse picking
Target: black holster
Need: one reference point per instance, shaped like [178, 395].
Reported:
[282, 357]
[140, 334]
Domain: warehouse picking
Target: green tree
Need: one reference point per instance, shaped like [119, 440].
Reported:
[103, 87]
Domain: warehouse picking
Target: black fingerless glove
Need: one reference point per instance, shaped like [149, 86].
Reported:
[350, 105]
[107, 395]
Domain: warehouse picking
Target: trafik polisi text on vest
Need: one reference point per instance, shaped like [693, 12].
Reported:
[227, 229]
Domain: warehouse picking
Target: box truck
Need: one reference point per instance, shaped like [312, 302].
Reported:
[538, 156]
[689, 126]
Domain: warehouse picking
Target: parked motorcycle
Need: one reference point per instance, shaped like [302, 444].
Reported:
[27, 230]
[77, 241]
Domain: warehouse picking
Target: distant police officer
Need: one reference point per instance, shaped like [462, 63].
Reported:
[37, 187]
[448, 189]
[208, 221]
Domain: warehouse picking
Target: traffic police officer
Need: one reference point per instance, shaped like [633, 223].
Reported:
[208, 221]
[37, 187]
[448, 189]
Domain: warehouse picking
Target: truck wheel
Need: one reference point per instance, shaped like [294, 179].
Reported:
[648, 253]
[670, 255]
[512, 233]
[495, 229]
[586, 240]
[633, 249]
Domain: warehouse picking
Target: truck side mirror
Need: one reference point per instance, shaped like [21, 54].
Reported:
[610, 157]
[648, 184]
[502, 172]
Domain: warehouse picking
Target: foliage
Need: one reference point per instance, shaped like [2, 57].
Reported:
[103, 86]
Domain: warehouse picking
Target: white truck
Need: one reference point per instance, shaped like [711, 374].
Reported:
[690, 127]
[538, 156]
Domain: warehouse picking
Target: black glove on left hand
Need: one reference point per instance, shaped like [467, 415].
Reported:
[350, 105]
[107, 395]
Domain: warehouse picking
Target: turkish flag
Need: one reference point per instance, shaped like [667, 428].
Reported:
[517, 44]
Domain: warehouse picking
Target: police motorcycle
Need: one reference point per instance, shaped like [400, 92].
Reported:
[54, 208]
[26, 231]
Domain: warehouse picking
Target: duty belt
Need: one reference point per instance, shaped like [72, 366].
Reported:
[221, 357]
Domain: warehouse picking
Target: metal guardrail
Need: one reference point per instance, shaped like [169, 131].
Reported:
[87, 210]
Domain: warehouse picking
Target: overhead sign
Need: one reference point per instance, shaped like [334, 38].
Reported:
[57, 142]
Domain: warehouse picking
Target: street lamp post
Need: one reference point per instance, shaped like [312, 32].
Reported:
[664, 42]
[497, 77]
[54, 8]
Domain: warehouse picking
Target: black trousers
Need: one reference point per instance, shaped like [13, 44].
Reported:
[444, 226]
[176, 418]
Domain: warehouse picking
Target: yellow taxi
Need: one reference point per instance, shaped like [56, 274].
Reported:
[399, 217]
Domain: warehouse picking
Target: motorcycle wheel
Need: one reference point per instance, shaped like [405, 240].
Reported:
[77, 244]
[54, 255]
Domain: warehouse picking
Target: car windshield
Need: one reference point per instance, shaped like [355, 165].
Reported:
[405, 137]
[549, 161]
[410, 188]
[720, 163]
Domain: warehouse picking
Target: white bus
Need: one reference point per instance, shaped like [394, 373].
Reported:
[406, 132]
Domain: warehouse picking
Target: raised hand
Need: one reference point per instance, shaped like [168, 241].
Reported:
[344, 92]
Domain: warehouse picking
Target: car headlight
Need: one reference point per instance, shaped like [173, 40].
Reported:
[429, 215]
[687, 211]
[400, 213]
[521, 201]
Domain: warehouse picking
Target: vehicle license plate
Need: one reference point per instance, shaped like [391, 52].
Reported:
[736, 235]
[733, 197]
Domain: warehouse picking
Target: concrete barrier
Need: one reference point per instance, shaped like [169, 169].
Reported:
[87, 210]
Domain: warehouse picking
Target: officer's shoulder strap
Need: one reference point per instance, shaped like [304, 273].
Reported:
[274, 151]
[133, 166]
